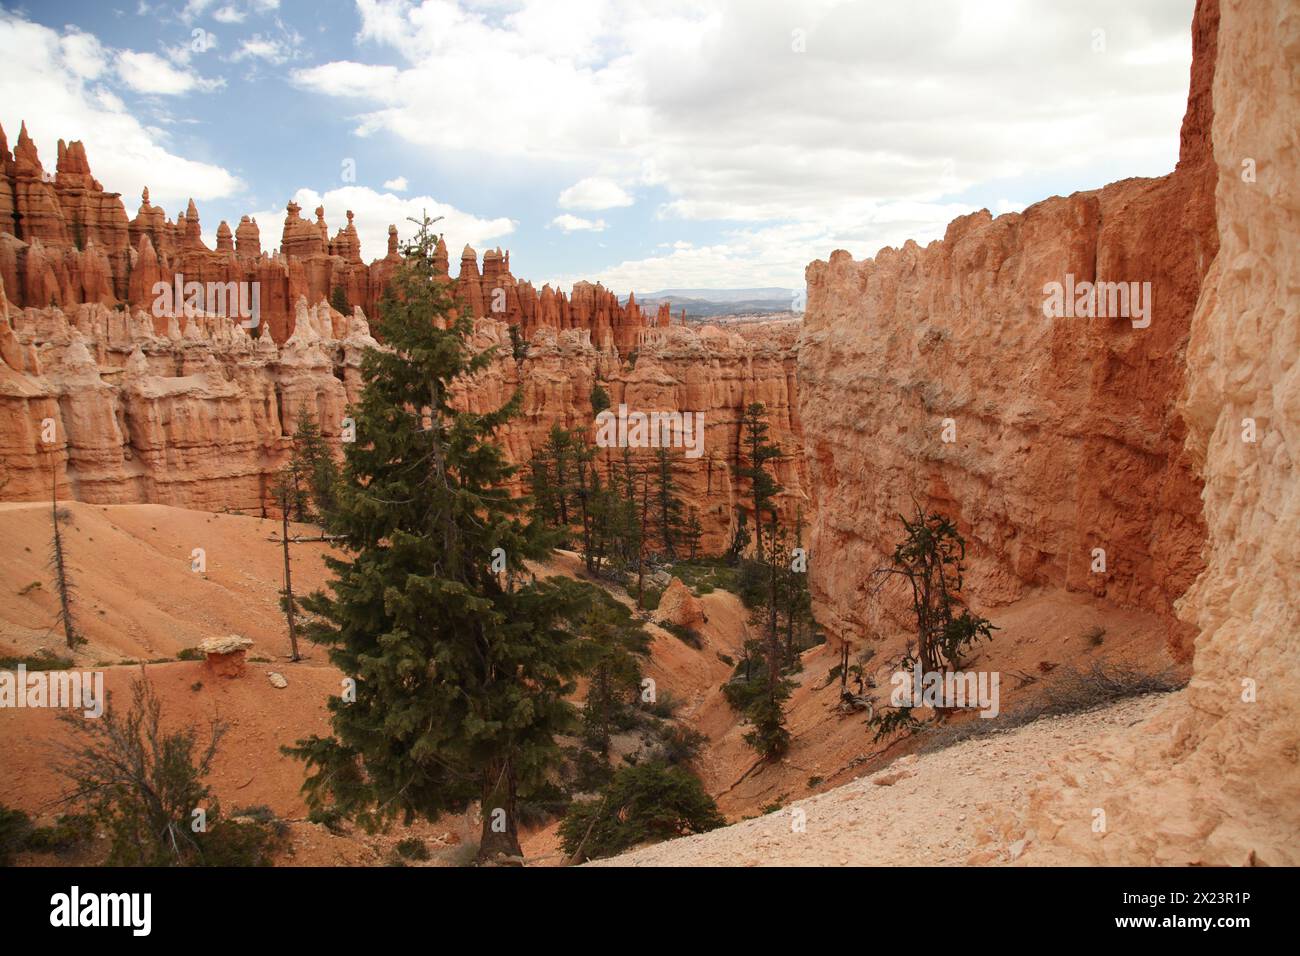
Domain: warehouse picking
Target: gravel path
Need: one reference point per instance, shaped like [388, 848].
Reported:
[928, 810]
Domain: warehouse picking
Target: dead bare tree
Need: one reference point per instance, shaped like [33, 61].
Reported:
[59, 565]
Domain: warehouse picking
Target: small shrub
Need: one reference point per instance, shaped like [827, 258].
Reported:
[680, 745]
[650, 596]
[70, 830]
[42, 660]
[665, 705]
[15, 828]
[242, 842]
[190, 654]
[412, 848]
[645, 803]
[1095, 636]
[687, 635]
[142, 784]
[328, 817]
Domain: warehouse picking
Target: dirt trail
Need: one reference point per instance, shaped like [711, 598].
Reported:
[926, 810]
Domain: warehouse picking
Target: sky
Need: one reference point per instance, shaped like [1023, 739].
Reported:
[647, 145]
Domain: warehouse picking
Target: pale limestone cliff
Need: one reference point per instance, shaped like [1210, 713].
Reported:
[1215, 777]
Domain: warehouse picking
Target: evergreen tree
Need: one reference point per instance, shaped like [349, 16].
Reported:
[339, 301]
[541, 489]
[758, 452]
[739, 539]
[796, 599]
[586, 486]
[614, 645]
[461, 675]
[692, 532]
[930, 558]
[599, 398]
[668, 509]
[316, 468]
[289, 493]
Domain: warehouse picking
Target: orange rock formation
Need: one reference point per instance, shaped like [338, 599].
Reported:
[933, 374]
[65, 241]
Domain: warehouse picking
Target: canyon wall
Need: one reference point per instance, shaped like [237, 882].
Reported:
[201, 415]
[1215, 778]
[148, 405]
[933, 374]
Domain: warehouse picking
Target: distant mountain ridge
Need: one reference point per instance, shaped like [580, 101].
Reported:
[705, 303]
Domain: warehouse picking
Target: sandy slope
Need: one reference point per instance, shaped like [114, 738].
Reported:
[933, 809]
[139, 600]
[136, 595]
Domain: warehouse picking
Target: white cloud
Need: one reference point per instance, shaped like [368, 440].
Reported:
[570, 223]
[84, 54]
[345, 78]
[374, 211]
[398, 184]
[194, 9]
[150, 73]
[229, 14]
[709, 102]
[260, 47]
[776, 255]
[50, 82]
[594, 193]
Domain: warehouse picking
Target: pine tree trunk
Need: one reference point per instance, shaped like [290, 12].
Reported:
[500, 833]
[288, 585]
[774, 639]
[640, 551]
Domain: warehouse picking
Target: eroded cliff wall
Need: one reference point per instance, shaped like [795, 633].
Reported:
[1215, 778]
[932, 374]
[201, 415]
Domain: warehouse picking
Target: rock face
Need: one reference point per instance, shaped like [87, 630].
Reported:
[932, 374]
[706, 371]
[679, 606]
[150, 406]
[1215, 778]
[65, 241]
[202, 415]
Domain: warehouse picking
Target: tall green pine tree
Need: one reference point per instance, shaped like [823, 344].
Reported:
[461, 677]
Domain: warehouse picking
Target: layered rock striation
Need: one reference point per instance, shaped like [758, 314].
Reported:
[201, 415]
